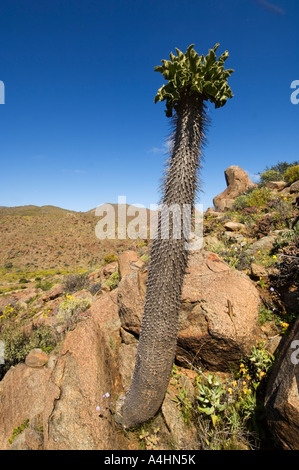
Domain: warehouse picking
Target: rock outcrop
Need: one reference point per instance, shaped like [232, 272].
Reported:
[63, 395]
[282, 396]
[237, 182]
[219, 313]
[128, 262]
[218, 316]
[60, 399]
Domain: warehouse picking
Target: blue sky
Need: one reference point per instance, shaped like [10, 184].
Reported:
[79, 126]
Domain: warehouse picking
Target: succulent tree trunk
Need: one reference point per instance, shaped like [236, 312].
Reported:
[191, 80]
[159, 329]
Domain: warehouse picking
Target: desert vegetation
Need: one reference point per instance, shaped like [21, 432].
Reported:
[257, 236]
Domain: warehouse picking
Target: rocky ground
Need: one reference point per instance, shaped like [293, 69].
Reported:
[70, 344]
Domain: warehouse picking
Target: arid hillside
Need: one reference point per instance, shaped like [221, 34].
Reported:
[36, 238]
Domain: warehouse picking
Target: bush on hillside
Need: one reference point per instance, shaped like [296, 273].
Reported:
[270, 175]
[282, 167]
[75, 282]
[18, 344]
[292, 174]
[256, 198]
[71, 311]
[277, 172]
[44, 285]
[240, 202]
[287, 247]
[259, 197]
[113, 280]
[95, 288]
[110, 258]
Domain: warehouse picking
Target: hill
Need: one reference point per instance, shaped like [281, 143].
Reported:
[37, 238]
[31, 210]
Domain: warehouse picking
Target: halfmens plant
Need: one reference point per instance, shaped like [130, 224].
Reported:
[191, 80]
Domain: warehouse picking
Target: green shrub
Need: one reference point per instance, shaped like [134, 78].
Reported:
[265, 315]
[271, 175]
[256, 198]
[235, 255]
[18, 430]
[110, 258]
[259, 197]
[71, 310]
[285, 238]
[227, 411]
[113, 280]
[10, 311]
[18, 344]
[260, 362]
[146, 258]
[44, 285]
[224, 412]
[292, 174]
[282, 167]
[276, 171]
[240, 202]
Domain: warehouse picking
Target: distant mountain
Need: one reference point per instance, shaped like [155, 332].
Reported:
[32, 210]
